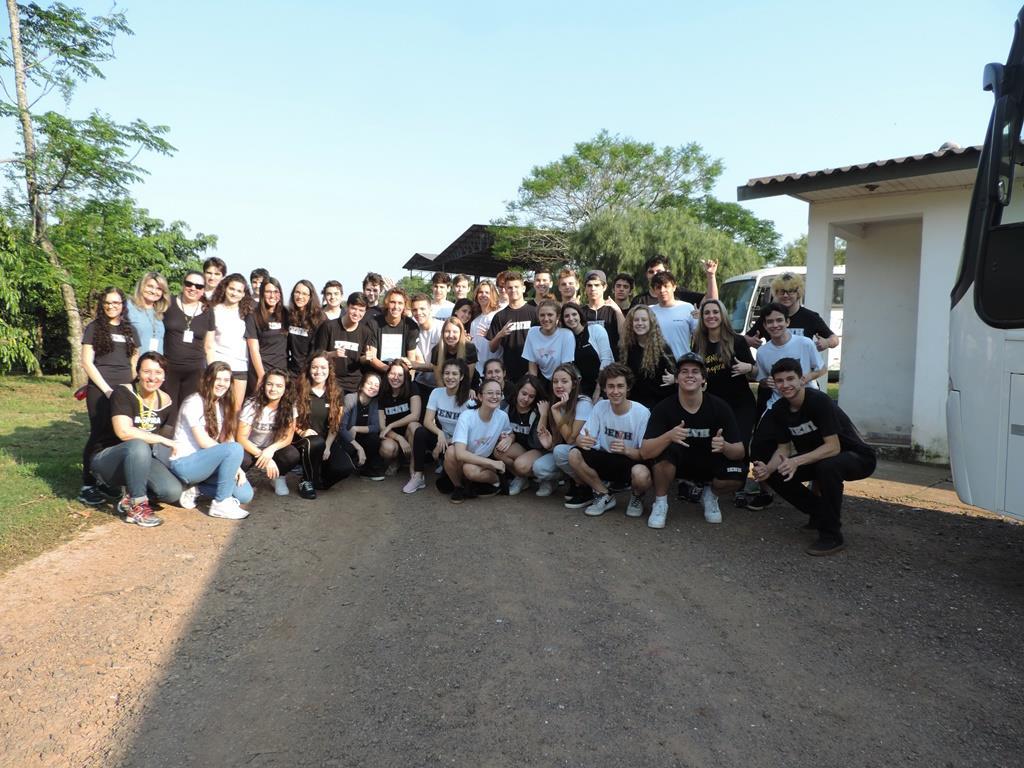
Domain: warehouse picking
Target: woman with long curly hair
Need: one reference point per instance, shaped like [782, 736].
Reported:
[232, 304]
[643, 348]
[207, 459]
[266, 428]
[110, 346]
[320, 403]
[304, 317]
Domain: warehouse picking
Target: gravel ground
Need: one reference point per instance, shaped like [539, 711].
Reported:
[369, 628]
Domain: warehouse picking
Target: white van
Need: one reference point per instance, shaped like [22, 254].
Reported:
[745, 295]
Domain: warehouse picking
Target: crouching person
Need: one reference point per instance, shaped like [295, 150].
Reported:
[816, 441]
[608, 446]
[131, 447]
[470, 464]
[693, 436]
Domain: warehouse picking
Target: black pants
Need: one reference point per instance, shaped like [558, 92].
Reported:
[181, 381]
[93, 396]
[828, 476]
[324, 474]
[371, 447]
[286, 458]
[423, 442]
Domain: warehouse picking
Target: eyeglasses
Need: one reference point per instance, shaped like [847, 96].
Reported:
[789, 291]
[197, 286]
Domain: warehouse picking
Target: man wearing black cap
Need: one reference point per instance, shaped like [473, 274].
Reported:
[599, 311]
[693, 436]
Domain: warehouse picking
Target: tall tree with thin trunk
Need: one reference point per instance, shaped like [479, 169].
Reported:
[66, 160]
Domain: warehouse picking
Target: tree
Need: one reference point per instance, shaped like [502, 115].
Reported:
[740, 224]
[413, 284]
[65, 160]
[623, 241]
[795, 253]
[611, 174]
[15, 336]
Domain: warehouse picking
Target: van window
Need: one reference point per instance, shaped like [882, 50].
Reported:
[735, 295]
[763, 297]
[838, 290]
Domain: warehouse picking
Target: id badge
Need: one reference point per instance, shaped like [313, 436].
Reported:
[187, 337]
[154, 344]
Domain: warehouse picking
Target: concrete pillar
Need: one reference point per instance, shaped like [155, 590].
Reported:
[821, 257]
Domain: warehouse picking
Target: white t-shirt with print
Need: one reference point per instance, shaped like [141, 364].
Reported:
[230, 346]
[677, 325]
[261, 426]
[446, 410]
[605, 425]
[480, 436]
[799, 347]
[549, 352]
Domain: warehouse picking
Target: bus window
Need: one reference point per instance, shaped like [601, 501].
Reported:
[763, 297]
[736, 298]
[1000, 276]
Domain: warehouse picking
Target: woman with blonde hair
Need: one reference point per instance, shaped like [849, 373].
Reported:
[486, 297]
[788, 290]
[728, 362]
[643, 348]
[453, 344]
[146, 309]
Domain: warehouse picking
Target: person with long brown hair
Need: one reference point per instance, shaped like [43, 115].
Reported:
[320, 402]
[402, 404]
[110, 346]
[232, 304]
[206, 457]
[527, 409]
[266, 333]
[568, 412]
[304, 317]
[266, 427]
[645, 352]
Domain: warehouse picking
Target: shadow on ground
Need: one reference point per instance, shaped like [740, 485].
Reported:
[375, 629]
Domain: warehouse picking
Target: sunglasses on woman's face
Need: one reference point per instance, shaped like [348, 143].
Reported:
[197, 286]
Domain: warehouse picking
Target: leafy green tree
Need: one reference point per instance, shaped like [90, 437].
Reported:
[794, 253]
[608, 174]
[413, 284]
[65, 161]
[15, 336]
[623, 241]
[740, 224]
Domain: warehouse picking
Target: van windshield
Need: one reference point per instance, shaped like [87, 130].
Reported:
[735, 295]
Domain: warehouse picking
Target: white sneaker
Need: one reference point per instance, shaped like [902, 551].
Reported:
[546, 488]
[600, 505]
[659, 511]
[711, 511]
[229, 509]
[281, 486]
[415, 484]
[635, 507]
[518, 485]
[187, 500]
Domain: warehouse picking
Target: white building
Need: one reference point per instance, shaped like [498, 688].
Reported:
[903, 221]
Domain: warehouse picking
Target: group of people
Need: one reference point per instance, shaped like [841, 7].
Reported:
[190, 395]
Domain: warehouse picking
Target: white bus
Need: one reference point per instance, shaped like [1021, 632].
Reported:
[744, 296]
[985, 403]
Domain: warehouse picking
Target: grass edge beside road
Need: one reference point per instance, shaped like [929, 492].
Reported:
[41, 438]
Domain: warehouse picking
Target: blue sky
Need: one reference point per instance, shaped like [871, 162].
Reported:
[323, 139]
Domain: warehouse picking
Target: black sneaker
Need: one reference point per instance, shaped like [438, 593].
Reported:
[810, 525]
[444, 483]
[306, 490]
[112, 494]
[582, 497]
[485, 490]
[760, 501]
[826, 546]
[458, 495]
[91, 496]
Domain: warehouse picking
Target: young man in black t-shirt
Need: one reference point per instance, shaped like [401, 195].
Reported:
[599, 310]
[347, 341]
[693, 436]
[510, 326]
[816, 441]
[396, 334]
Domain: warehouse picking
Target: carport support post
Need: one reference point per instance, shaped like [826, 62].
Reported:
[821, 257]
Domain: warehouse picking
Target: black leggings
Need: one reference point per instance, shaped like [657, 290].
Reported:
[286, 458]
[324, 474]
[423, 442]
[181, 381]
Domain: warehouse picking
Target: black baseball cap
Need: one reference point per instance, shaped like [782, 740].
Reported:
[692, 357]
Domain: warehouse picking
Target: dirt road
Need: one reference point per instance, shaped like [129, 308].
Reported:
[373, 629]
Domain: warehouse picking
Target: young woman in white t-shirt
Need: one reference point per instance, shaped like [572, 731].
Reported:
[206, 458]
[266, 427]
[486, 298]
[469, 463]
[445, 405]
[232, 304]
[548, 345]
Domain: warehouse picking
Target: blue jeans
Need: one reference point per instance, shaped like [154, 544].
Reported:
[133, 465]
[213, 470]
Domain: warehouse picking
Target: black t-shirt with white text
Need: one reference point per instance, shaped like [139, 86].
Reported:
[272, 338]
[396, 341]
[512, 345]
[332, 336]
[713, 414]
[817, 418]
[123, 401]
[115, 366]
[396, 408]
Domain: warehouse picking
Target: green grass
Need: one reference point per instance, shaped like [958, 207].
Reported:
[42, 434]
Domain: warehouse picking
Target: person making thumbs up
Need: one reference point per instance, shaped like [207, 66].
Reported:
[693, 436]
